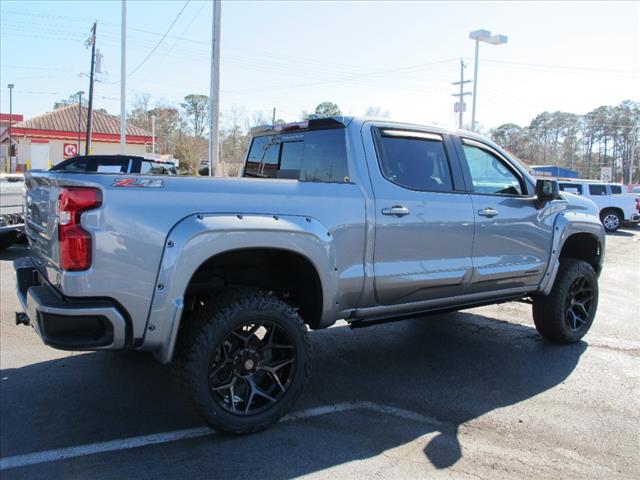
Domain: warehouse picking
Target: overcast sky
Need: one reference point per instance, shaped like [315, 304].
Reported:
[401, 56]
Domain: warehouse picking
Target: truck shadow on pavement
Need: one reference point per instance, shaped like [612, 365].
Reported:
[453, 368]
[17, 250]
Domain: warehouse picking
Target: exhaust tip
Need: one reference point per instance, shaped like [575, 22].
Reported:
[22, 319]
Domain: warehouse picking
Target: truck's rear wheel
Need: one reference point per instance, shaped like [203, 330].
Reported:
[566, 314]
[243, 359]
[611, 220]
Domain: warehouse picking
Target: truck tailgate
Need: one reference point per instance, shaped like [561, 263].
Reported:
[41, 215]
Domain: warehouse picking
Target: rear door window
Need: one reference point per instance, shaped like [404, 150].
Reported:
[571, 188]
[157, 168]
[597, 190]
[415, 161]
[309, 156]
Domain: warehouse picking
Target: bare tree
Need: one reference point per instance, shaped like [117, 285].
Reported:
[377, 112]
[196, 109]
[139, 115]
[191, 150]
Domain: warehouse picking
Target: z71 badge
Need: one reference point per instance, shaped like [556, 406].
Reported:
[138, 182]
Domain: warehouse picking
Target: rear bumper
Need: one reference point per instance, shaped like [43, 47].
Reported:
[64, 323]
[635, 218]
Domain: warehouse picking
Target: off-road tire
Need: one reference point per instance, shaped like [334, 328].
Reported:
[550, 312]
[205, 331]
[611, 220]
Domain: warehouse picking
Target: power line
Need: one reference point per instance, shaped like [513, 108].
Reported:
[159, 41]
[565, 67]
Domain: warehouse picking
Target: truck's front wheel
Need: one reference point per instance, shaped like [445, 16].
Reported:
[566, 314]
[243, 359]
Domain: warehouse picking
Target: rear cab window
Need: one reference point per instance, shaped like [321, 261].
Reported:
[307, 156]
[616, 189]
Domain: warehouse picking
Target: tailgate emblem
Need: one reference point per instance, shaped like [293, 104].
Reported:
[138, 182]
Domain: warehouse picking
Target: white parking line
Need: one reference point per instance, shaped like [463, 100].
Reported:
[166, 437]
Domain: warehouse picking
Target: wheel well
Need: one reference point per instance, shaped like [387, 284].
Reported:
[583, 246]
[287, 274]
[612, 209]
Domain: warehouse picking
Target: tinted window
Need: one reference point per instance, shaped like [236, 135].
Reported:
[571, 188]
[489, 174]
[94, 164]
[616, 189]
[291, 156]
[597, 189]
[157, 168]
[313, 156]
[263, 157]
[415, 163]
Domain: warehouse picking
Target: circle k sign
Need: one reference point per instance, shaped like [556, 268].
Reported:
[70, 149]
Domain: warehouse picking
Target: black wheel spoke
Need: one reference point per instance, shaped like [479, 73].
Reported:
[279, 365]
[256, 362]
[252, 392]
[579, 300]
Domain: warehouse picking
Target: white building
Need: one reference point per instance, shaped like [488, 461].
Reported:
[44, 141]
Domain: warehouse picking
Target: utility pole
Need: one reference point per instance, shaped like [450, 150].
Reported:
[10, 87]
[123, 78]
[461, 106]
[633, 154]
[80, 93]
[91, 41]
[214, 98]
[273, 118]
[153, 134]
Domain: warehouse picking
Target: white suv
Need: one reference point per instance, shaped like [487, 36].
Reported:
[613, 207]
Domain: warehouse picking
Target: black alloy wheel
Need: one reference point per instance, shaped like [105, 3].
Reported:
[579, 300]
[252, 368]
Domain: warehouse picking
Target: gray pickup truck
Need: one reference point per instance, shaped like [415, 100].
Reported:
[335, 218]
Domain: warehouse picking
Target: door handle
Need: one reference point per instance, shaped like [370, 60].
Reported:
[488, 212]
[396, 211]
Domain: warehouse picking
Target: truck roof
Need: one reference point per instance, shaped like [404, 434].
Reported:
[344, 121]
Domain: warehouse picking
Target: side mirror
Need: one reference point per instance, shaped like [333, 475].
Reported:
[546, 190]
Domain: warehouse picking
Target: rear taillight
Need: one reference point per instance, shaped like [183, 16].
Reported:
[73, 240]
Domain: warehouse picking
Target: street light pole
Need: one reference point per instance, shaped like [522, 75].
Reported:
[481, 36]
[214, 99]
[80, 93]
[10, 86]
[475, 87]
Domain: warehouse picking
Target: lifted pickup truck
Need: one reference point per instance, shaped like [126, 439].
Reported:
[336, 218]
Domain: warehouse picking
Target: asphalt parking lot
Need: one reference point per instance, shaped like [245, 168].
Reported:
[476, 394]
